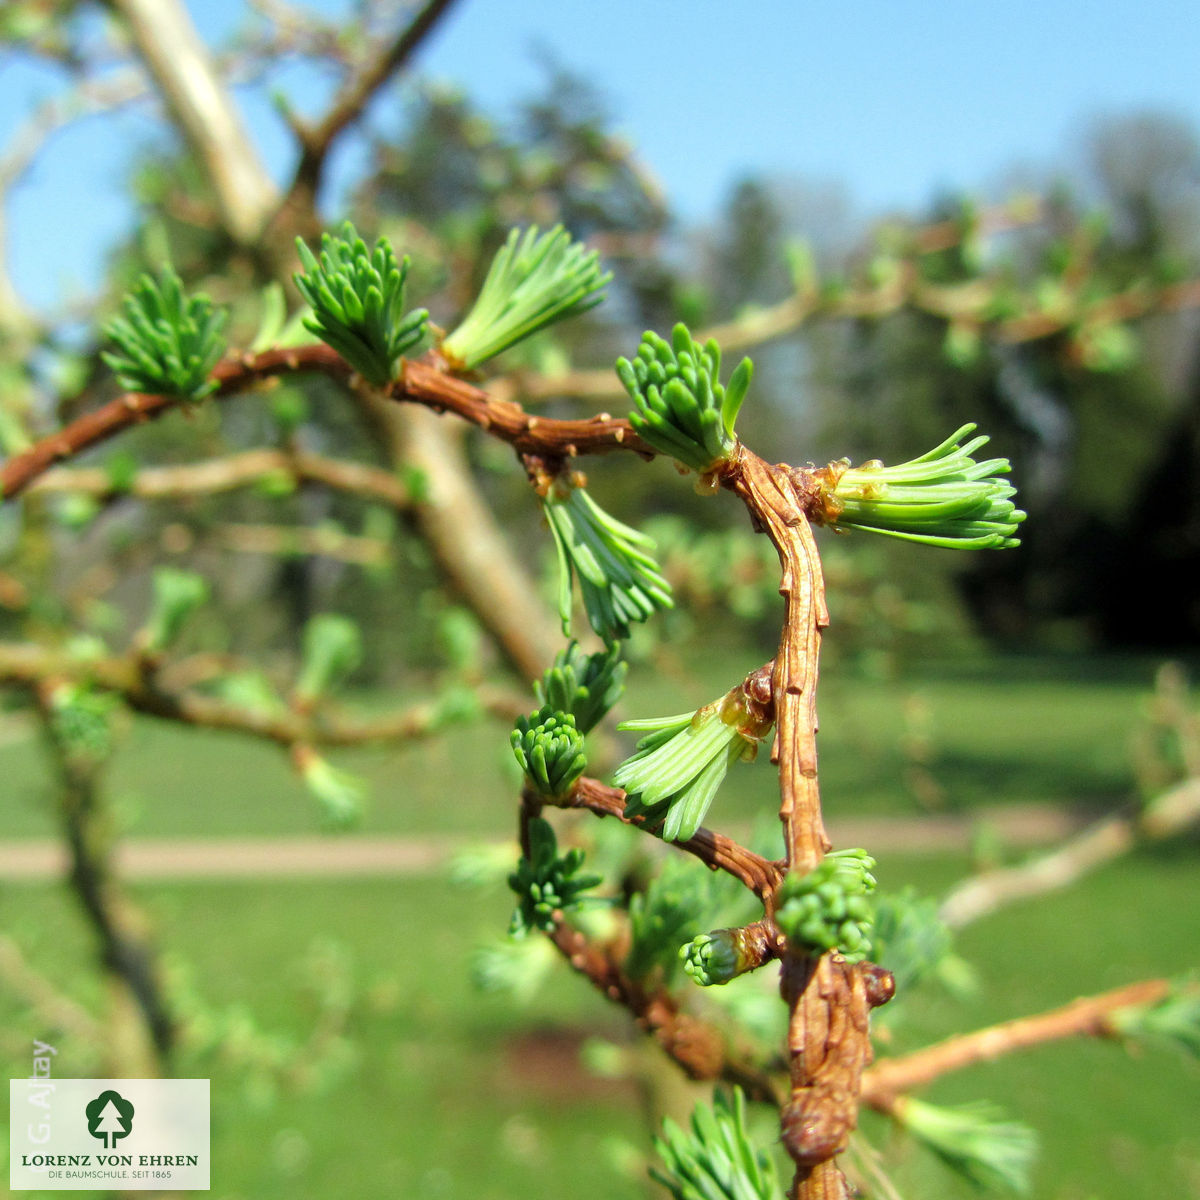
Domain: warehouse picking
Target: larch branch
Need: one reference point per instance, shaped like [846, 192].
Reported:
[420, 383]
[1089, 1016]
[699, 1049]
[715, 850]
[142, 688]
[234, 471]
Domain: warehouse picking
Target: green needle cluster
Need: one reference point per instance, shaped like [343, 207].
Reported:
[677, 768]
[81, 721]
[665, 914]
[944, 498]
[357, 298]
[167, 342]
[1174, 1020]
[828, 909]
[714, 958]
[617, 572]
[585, 685]
[913, 942]
[976, 1140]
[176, 596]
[549, 748]
[533, 281]
[680, 406]
[717, 1160]
[545, 882]
[332, 650]
[341, 796]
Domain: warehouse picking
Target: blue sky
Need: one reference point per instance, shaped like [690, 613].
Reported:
[894, 100]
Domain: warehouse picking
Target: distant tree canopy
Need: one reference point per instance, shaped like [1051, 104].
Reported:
[1104, 417]
[1103, 414]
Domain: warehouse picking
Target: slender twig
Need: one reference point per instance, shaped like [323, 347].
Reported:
[85, 98]
[351, 102]
[717, 851]
[699, 1049]
[423, 383]
[287, 541]
[1089, 1016]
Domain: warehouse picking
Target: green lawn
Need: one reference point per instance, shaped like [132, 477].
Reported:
[440, 1094]
[426, 1099]
[439, 1091]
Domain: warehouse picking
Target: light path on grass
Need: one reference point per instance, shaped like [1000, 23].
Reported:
[362, 856]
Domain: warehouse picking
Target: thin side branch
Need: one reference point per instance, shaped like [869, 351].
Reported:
[699, 1049]
[1089, 1016]
[141, 688]
[715, 850]
[234, 471]
[351, 101]
[287, 541]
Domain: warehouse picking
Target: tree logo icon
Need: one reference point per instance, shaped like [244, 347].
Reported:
[109, 1117]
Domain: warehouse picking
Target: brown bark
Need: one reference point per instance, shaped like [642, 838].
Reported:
[422, 383]
[347, 108]
[828, 1038]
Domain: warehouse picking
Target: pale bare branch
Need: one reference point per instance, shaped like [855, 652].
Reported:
[235, 471]
[140, 686]
[1170, 814]
[183, 71]
[351, 101]
[289, 540]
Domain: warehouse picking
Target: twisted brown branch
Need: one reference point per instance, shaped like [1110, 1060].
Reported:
[827, 1000]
